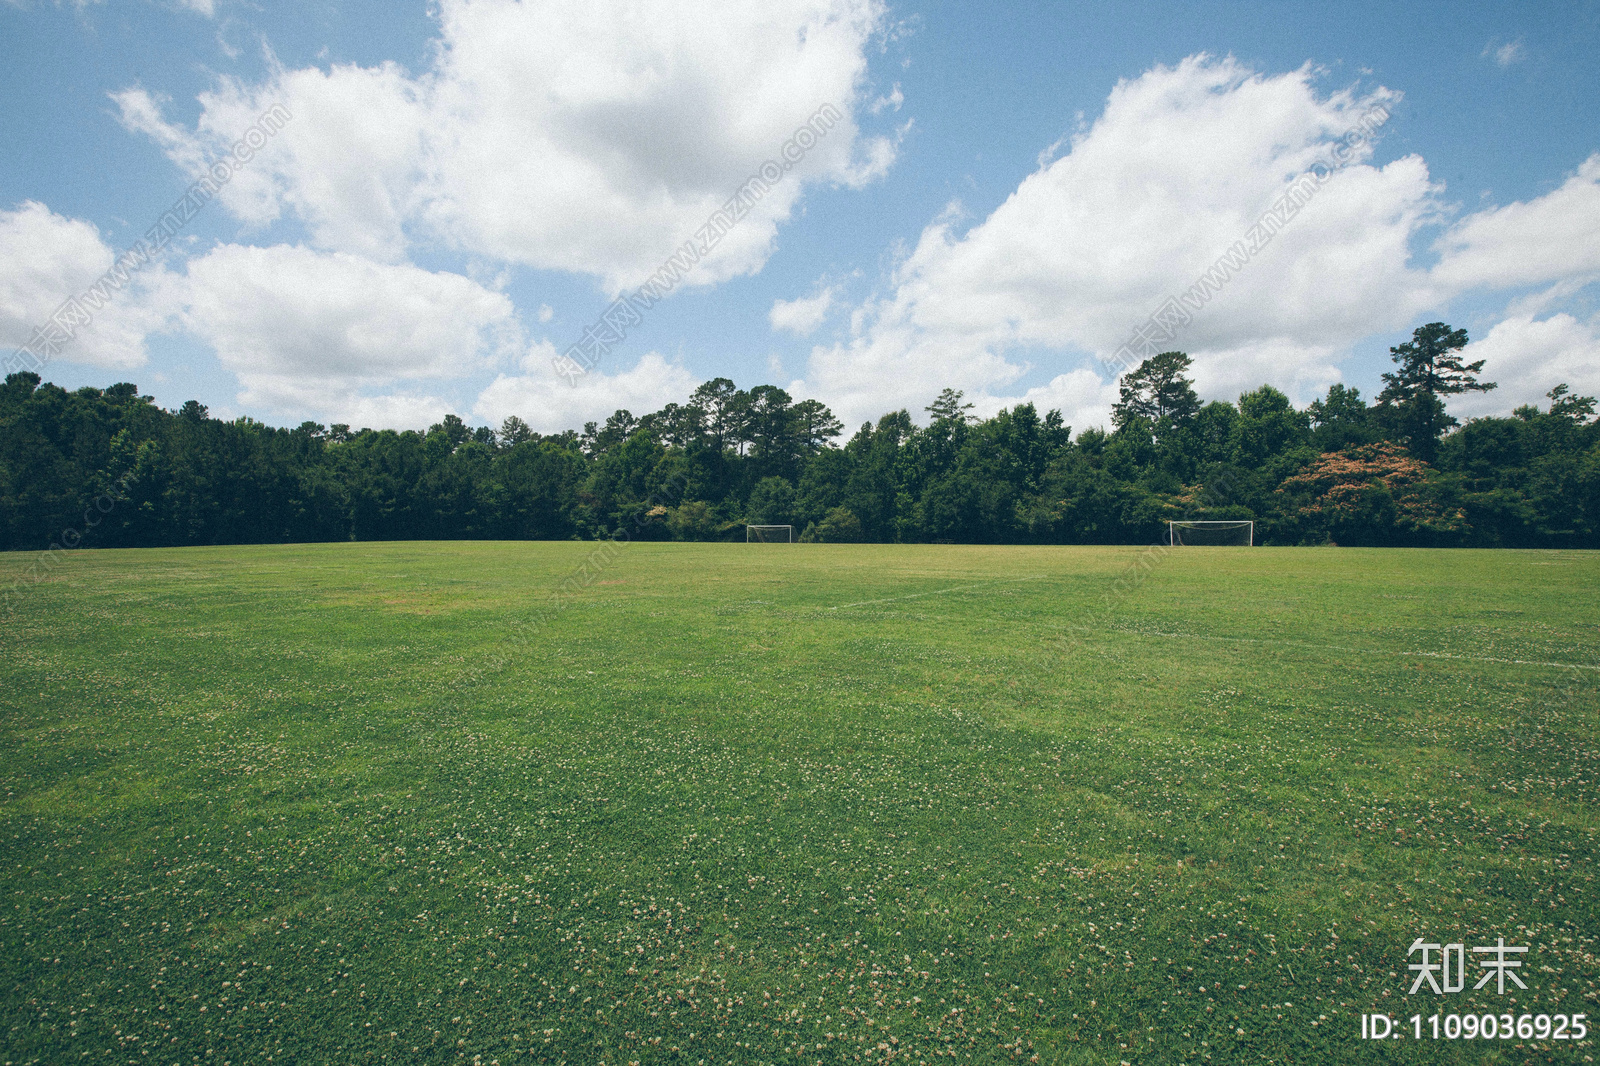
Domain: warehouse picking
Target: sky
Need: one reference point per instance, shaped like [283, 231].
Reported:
[411, 209]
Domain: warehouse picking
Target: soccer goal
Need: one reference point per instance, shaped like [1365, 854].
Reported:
[1216, 533]
[769, 534]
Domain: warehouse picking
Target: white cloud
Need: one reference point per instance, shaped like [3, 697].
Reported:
[1527, 357]
[45, 259]
[892, 101]
[546, 312]
[1082, 396]
[1177, 168]
[1506, 54]
[319, 331]
[1299, 367]
[578, 135]
[545, 400]
[347, 162]
[388, 411]
[1527, 243]
[509, 147]
[801, 316]
[1180, 164]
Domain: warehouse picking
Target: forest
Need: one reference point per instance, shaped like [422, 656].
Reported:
[109, 468]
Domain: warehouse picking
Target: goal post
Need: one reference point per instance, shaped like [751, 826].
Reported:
[1230, 533]
[769, 534]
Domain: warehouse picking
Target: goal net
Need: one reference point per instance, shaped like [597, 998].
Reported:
[769, 534]
[1216, 533]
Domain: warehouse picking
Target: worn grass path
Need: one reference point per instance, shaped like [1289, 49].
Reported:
[760, 803]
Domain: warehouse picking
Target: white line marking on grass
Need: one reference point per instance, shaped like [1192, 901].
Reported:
[1346, 647]
[1491, 659]
[938, 592]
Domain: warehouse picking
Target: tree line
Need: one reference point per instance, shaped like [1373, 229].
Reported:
[109, 468]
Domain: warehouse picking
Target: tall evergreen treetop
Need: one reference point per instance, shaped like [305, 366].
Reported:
[1157, 391]
[815, 424]
[722, 404]
[949, 408]
[513, 431]
[1429, 368]
[1579, 409]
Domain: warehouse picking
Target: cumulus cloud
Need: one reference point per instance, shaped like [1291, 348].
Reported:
[801, 316]
[1173, 174]
[578, 135]
[592, 138]
[1180, 164]
[347, 163]
[548, 404]
[385, 411]
[1083, 397]
[45, 259]
[320, 331]
[1526, 357]
[1527, 243]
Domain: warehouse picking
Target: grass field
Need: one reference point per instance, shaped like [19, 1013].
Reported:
[751, 804]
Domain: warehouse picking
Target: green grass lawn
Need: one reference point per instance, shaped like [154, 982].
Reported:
[762, 803]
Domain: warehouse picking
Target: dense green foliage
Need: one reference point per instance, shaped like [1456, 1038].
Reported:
[109, 468]
[759, 804]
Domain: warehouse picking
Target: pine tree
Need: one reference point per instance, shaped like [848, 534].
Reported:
[949, 408]
[1157, 390]
[1429, 368]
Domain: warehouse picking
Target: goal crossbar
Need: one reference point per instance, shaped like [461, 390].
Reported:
[768, 534]
[1211, 532]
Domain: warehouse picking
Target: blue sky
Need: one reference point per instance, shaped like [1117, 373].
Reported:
[461, 190]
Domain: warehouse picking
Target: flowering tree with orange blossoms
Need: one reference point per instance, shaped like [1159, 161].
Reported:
[1372, 494]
